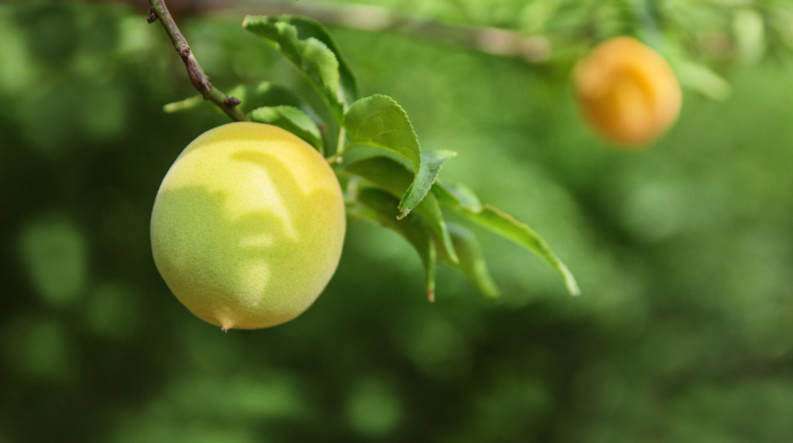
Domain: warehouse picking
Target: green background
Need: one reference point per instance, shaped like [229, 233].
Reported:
[684, 254]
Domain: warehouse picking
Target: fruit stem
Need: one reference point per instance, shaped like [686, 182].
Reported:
[341, 147]
[200, 80]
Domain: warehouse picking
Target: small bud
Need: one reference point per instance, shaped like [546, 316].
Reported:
[152, 16]
[232, 101]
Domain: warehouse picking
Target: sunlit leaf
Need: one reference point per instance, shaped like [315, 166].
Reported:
[308, 28]
[310, 55]
[380, 122]
[292, 119]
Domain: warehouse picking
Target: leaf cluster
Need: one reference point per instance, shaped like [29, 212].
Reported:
[394, 183]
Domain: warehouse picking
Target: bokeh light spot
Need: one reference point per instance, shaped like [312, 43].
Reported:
[54, 253]
[373, 409]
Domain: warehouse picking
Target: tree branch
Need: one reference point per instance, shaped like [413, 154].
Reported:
[493, 41]
[200, 80]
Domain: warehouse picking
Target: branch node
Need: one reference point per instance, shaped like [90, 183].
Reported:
[199, 80]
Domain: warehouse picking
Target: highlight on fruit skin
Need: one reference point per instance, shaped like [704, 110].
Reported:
[248, 226]
[627, 92]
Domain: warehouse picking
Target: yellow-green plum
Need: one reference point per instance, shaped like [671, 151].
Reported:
[248, 226]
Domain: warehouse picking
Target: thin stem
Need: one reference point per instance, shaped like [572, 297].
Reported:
[341, 147]
[200, 80]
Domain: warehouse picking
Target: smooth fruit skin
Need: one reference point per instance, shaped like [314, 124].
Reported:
[627, 92]
[248, 226]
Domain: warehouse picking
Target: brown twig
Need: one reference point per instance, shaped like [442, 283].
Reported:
[200, 80]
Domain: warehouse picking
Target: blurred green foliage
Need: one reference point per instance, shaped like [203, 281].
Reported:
[684, 254]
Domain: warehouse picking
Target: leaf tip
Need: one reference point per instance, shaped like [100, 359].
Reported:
[431, 294]
[570, 282]
[403, 213]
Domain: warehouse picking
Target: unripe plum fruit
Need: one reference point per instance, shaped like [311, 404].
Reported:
[627, 92]
[248, 226]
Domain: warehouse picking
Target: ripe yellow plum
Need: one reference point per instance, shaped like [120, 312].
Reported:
[627, 92]
[248, 226]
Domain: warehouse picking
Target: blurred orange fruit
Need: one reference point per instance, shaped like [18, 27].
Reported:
[627, 92]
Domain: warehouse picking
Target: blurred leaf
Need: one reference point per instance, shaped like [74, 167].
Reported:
[310, 55]
[700, 78]
[307, 28]
[17, 70]
[749, 30]
[536, 16]
[293, 120]
[187, 104]
[457, 194]
[506, 226]
[471, 261]
[395, 178]
[380, 122]
[380, 207]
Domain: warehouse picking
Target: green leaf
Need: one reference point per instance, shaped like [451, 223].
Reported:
[381, 207]
[310, 55]
[293, 120]
[266, 93]
[185, 105]
[380, 122]
[395, 178]
[251, 96]
[457, 194]
[308, 28]
[701, 79]
[749, 30]
[504, 225]
[431, 164]
[471, 261]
